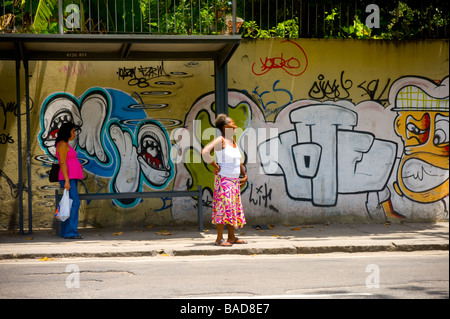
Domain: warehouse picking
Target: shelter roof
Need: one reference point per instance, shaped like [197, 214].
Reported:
[58, 47]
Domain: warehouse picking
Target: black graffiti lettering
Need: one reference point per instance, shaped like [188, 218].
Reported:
[371, 89]
[339, 89]
[10, 107]
[14, 188]
[126, 73]
[139, 76]
[140, 82]
[264, 195]
[151, 72]
[328, 89]
[6, 138]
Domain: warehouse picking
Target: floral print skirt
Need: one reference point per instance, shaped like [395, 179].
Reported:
[227, 206]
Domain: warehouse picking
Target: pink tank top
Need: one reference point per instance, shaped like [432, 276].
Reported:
[73, 165]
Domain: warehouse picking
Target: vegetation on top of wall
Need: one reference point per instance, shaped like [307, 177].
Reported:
[406, 19]
[185, 17]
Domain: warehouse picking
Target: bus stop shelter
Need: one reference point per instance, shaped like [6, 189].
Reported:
[23, 48]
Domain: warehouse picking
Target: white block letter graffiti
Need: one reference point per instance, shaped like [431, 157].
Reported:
[324, 156]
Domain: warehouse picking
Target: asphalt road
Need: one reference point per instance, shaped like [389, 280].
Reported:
[327, 276]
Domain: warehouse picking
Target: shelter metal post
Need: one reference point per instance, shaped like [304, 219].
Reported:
[200, 210]
[27, 104]
[19, 148]
[56, 223]
[221, 87]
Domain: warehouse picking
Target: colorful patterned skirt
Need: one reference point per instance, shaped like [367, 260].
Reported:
[227, 206]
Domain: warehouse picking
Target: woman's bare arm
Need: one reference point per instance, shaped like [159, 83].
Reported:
[209, 149]
[63, 149]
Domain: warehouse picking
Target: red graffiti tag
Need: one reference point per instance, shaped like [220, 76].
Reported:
[291, 66]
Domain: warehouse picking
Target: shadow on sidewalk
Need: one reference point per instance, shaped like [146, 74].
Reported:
[295, 232]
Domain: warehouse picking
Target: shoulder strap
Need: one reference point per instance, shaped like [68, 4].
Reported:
[223, 143]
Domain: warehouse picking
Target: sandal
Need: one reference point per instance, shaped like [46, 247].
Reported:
[223, 243]
[239, 241]
[75, 237]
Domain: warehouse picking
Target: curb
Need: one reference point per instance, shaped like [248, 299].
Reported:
[377, 248]
[293, 250]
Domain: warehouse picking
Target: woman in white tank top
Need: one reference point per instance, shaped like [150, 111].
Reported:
[227, 206]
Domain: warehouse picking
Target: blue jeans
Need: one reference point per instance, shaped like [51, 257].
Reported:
[70, 225]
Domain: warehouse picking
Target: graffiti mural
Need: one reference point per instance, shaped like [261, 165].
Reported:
[325, 150]
[320, 150]
[114, 139]
[329, 131]
[324, 155]
[422, 122]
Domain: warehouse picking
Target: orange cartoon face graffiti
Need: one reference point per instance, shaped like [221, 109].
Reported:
[423, 125]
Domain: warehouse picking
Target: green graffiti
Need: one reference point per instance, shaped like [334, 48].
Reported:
[201, 173]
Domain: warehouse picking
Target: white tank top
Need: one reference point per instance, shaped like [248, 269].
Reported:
[229, 160]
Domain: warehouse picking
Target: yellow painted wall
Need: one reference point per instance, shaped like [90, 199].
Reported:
[331, 105]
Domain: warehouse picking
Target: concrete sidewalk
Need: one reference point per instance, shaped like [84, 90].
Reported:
[187, 241]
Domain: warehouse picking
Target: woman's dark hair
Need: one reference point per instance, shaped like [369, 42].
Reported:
[221, 121]
[64, 132]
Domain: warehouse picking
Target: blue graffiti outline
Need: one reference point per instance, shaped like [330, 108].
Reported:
[78, 101]
[110, 168]
[109, 162]
[142, 178]
[118, 164]
[274, 90]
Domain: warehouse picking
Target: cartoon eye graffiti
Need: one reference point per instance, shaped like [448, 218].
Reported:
[418, 128]
[414, 129]
[441, 135]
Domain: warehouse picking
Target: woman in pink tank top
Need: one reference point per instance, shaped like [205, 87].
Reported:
[69, 174]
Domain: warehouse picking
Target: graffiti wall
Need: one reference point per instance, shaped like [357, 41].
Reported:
[330, 131]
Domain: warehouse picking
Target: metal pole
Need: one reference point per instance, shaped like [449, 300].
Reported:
[192, 18]
[157, 12]
[149, 19]
[90, 17]
[60, 16]
[27, 104]
[200, 211]
[107, 16]
[234, 17]
[115, 16]
[132, 16]
[208, 28]
[124, 18]
[98, 15]
[56, 223]
[175, 16]
[19, 147]
[221, 87]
